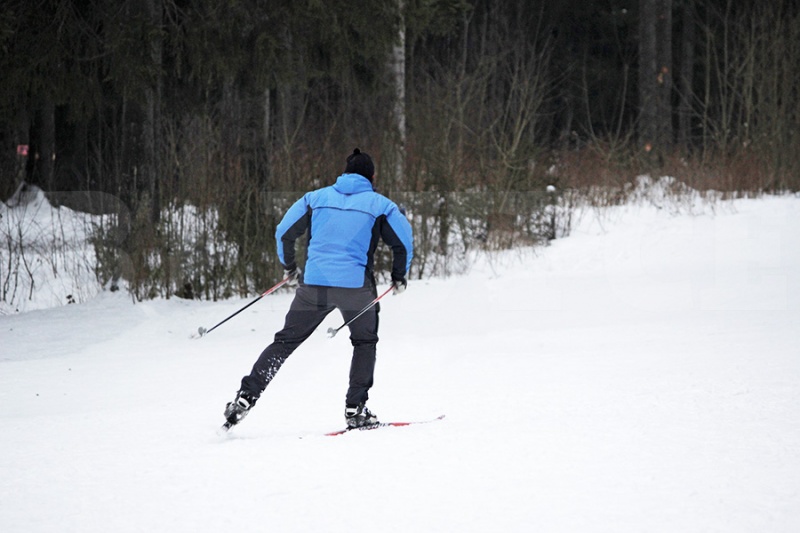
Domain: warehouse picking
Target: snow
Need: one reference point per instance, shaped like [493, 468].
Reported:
[46, 258]
[642, 374]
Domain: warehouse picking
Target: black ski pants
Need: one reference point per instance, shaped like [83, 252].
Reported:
[311, 304]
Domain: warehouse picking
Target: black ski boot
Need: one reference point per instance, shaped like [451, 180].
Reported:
[236, 410]
[358, 416]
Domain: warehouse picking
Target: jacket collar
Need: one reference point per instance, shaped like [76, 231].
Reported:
[352, 184]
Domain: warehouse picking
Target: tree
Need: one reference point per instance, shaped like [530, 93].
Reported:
[153, 39]
[398, 74]
[655, 75]
[686, 79]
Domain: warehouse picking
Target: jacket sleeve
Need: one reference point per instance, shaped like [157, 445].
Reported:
[396, 233]
[293, 225]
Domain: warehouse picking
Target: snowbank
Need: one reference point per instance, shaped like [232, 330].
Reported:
[46, 259]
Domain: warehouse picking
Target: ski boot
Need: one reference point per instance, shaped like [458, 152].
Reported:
[236, 410]
[358, 416]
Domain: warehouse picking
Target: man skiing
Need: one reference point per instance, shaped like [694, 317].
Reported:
[344, 221]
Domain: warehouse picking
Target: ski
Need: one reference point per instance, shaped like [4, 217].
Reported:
[227, 426]
[381, 425]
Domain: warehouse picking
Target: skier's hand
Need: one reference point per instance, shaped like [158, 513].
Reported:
[293, 276]
[399, 284]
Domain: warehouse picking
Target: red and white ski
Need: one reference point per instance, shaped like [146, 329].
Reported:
[382, 425]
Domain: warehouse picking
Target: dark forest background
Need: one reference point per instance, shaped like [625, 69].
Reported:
[145, 109]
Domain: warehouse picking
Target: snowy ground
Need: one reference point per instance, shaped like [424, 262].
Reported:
[641, 375]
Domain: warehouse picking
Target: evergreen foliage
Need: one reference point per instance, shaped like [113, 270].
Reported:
[235, 107]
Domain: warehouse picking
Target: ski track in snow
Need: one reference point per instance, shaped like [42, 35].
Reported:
[642, 374]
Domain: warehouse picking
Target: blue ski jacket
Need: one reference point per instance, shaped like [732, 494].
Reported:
[345, 222]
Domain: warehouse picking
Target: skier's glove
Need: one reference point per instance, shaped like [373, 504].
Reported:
[400, 284]
[293, 275]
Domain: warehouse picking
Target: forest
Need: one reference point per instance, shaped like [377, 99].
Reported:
[190, 126]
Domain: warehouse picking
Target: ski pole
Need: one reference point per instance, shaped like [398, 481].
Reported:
[203, 331]
[332, 332]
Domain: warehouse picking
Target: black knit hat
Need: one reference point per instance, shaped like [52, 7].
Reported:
[360, 163]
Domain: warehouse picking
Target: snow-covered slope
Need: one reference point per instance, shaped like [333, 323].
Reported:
[642, 374]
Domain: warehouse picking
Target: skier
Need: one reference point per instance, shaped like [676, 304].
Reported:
[345, 222]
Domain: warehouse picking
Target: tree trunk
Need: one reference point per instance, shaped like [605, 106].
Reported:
[47, 145]
[23, 141]
[686, 75]
[398, 70]
[664, 137]
[266, 143]
[655, 75]
[648, 65]
[152, 115]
